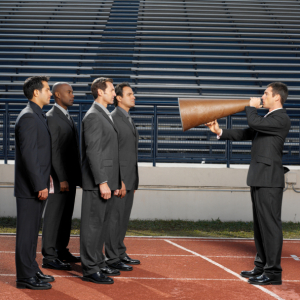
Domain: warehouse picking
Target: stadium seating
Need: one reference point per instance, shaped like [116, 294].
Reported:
[165, 49]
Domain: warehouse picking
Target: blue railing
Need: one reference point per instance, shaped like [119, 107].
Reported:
[161, 136]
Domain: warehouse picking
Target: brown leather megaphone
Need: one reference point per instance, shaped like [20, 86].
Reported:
[195, 112]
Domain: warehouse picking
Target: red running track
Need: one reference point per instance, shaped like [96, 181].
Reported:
[170, 269]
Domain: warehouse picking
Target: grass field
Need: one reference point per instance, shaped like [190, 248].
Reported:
[213, 228]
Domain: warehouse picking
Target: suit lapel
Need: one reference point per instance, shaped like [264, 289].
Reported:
[105, 116]
[131, 126]
[39, 114]
[62, 116]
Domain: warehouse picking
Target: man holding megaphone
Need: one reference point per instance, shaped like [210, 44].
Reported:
[265, 177]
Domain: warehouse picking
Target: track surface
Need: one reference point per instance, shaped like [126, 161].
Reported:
[170, 269]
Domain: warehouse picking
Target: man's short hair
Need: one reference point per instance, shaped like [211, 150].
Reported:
[119, 91]
[33, 83]
[279, 88]
[99, 83]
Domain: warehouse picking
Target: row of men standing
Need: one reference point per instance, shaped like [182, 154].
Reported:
[107, 173]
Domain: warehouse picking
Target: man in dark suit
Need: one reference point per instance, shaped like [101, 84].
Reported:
[128, 156]
[66, 175]
[32, 177]
[265, 177]
[100, 182]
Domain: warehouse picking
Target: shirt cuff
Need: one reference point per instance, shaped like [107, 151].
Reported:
[219, 135]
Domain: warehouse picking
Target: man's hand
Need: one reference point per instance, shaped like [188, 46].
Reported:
[117, 192]
[64, 186]
[255, 102]
[214, 127]
[122, 190]
[43, 195]
[105, 191]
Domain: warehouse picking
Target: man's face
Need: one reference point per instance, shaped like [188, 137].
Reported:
[66, 95]
[128, 99]
[109, 93]
[45, 94]
[268, 99]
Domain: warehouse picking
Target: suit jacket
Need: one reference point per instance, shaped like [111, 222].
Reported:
[65, 149]
[99, 150]
[267, 135]
[128, 153]
[32, 152]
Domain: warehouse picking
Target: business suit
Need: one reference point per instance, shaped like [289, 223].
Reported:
[100, 163]
[266, 179]
[128, 155]
[32, 174]
[65, 167]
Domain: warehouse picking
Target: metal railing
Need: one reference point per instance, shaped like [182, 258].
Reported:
[161, 136]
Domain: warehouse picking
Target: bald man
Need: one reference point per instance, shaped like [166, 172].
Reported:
[66, 174]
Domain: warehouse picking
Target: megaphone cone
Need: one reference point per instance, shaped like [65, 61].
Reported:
[195, 112]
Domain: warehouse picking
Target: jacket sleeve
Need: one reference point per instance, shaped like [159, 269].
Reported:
[27, 136]
[270, 125]
[238, 134]
[57, 154]
[92, 132]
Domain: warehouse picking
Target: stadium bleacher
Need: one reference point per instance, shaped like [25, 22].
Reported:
[165, 49]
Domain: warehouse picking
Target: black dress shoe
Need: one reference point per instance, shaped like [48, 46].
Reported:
[253, 273]
[98, 278]
[69, 257]
[129, 261]
[265, 280]
[33, 283]
[43, 277]
[110, 272]
[120, 266]
[56, 264]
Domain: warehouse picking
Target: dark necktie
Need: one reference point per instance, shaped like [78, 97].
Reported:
[45, 118]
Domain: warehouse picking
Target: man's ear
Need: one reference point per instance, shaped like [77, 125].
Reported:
[36, 93]
[277, 98]
[56, 94]
[119, 98]
[100, 92]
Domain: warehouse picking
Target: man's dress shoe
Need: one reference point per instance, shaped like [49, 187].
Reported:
[68, 258]
[129, 261]
[98, 277]
[109, 271]
[43, 277]
[56, 264]
[265, 280]
[33, 283]
[252, 273]
[120, 266]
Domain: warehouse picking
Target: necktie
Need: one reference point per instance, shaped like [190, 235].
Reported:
[45, 118]
[109, 114]
[67, 115]
[130, 121]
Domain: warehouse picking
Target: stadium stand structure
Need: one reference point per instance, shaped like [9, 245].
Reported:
[165, 49]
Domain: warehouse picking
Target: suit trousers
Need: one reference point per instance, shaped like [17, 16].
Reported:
[57, 223]
[124, 207]
[29, 214]
[267, 203]
[95, 216]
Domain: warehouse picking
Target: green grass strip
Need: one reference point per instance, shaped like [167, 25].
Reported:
[213, 228]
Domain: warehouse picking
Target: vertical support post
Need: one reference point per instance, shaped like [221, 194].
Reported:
[155, 135]
[5, 133]
[79, 126]
[228, 143]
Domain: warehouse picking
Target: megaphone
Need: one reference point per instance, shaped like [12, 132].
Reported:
[195, 112]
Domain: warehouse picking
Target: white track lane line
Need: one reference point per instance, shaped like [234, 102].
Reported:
[171, 255]
[153, 278]
[226, 269]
